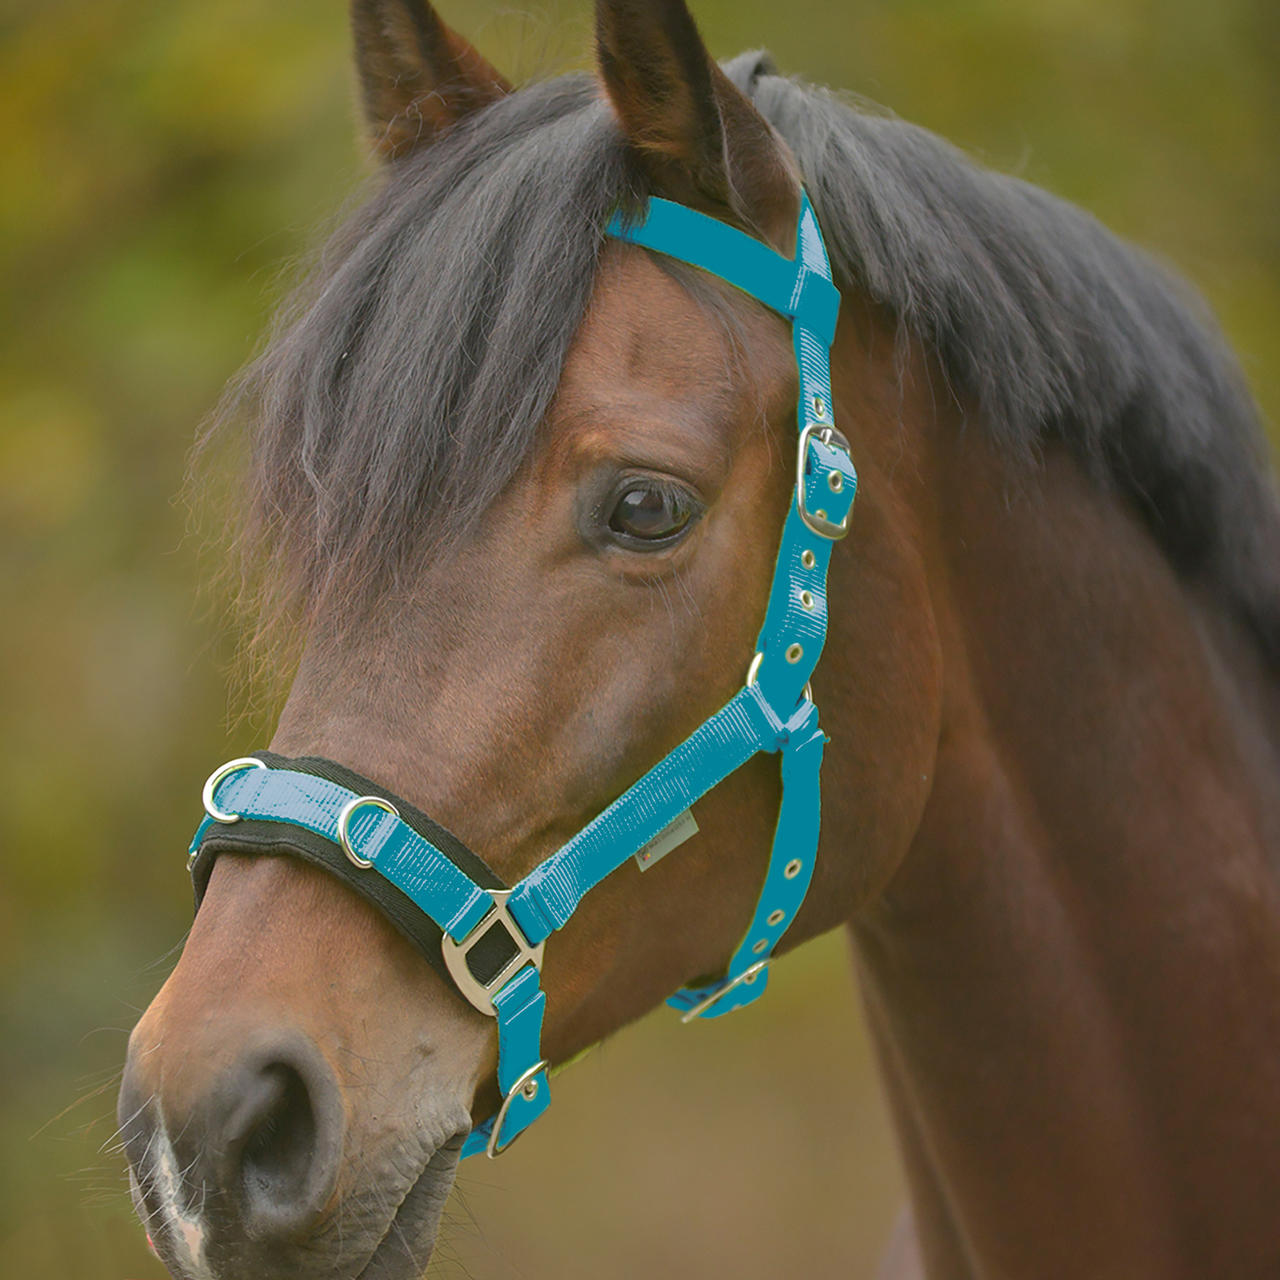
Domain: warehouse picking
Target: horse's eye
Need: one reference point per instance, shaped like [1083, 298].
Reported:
[648, 511]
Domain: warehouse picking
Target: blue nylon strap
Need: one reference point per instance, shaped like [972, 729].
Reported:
[520, 1004]
[795, 625]
[792, 287]
[801, 288]
[772, 713]
[436, 885]
[797, 610]
[791, 863]
[413, 864]
[545, 899]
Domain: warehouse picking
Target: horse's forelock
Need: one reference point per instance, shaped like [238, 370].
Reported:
[404, 384]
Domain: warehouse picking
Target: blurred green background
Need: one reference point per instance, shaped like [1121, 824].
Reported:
[161, 168]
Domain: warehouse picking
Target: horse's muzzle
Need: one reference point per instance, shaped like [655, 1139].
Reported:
[241, 1160]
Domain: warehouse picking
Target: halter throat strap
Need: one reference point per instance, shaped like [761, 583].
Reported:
[488, 939]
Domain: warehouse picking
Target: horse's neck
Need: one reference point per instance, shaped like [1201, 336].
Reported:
[1074, 976]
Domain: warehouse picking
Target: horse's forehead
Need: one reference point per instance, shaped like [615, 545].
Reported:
[644, 333]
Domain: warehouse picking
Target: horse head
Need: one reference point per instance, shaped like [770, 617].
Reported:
[524, 484]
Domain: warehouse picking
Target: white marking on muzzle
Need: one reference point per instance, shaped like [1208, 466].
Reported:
[186, 1231]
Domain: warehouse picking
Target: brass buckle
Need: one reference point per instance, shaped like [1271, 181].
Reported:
[455, 954]
[526, 1085]
[817, 520]
[753, 674]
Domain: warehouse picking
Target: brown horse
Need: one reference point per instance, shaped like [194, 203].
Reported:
[522, 487]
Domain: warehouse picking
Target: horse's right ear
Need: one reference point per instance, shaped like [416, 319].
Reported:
[699, 138]
[417, 77]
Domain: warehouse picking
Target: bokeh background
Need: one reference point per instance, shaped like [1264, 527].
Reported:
[162, 167]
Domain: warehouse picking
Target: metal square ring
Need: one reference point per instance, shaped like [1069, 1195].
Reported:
[455, 955]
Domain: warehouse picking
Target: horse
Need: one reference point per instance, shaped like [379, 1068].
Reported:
[517, 483]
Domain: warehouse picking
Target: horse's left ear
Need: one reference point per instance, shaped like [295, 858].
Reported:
[417, 77]
[699, 137]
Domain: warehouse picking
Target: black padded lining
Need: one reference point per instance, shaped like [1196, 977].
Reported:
[276, 839]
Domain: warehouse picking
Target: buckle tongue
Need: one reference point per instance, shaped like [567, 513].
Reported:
[497, 958]
[748, 975]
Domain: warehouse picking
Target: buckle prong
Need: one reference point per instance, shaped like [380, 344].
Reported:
[748, 975]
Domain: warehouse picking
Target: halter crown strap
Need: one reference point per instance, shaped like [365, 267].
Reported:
[490, 938]
[799, 288]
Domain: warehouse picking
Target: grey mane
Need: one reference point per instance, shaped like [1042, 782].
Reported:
[406, 382]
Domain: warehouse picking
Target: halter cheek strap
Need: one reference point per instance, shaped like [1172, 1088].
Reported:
[487, 938]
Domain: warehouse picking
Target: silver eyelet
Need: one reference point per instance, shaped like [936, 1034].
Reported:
[759, 947]
[776, 917]
[806, 600]
[792, 869]
[835, 481]
[794, 653]
[808, 559]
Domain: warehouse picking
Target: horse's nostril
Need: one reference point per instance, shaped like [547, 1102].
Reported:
[279, 1152]
[282, 1138]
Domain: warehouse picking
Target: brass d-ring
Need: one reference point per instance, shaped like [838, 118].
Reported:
[225, 771]
[344, 824]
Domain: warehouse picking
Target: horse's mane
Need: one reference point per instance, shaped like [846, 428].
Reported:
[406, 382]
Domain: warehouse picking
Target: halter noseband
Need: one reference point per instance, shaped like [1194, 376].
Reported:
[487, 938]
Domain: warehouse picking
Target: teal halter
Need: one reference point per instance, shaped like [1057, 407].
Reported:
[491, 938]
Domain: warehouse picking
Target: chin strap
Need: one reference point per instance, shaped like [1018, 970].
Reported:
[488, 939]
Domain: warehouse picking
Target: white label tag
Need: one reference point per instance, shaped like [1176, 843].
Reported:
[670, 837]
